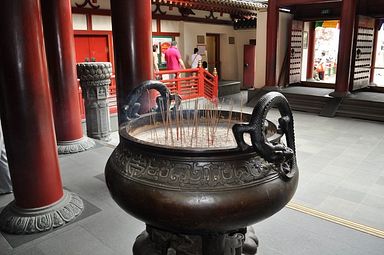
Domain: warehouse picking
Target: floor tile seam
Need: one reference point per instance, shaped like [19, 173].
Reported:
[101, 240]
[337, 220]
[51, 234]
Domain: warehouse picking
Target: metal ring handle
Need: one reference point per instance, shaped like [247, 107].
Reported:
[163, 101]
[277, 153]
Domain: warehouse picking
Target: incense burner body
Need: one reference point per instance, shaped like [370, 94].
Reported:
[193, 191]
[197, 191]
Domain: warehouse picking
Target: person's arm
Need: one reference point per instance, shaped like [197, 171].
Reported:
[155, 66]
[181, 62]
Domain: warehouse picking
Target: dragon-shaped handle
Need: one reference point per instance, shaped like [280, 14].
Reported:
[282, 155]
[163, 101]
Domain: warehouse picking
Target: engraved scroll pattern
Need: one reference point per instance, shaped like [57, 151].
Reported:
[189, 173]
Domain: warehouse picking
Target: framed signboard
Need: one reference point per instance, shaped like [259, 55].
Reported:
[164, 42]
[200, 39]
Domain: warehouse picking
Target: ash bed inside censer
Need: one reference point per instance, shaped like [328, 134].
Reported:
[199, 178]
[192, 129]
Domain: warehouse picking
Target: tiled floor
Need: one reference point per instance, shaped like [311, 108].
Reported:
[341, 164]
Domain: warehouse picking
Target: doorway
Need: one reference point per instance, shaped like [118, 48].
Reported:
[249, 66]
[213, 52]
[378, 78]
[320, 51]
[91, 48]
[95, 48]
[98, 48]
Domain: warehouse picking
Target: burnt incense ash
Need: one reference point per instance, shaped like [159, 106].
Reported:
[193, 136]
[203, 126]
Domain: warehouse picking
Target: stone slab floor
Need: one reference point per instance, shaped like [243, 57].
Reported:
[341, 164]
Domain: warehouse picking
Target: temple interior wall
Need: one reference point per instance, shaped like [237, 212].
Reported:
[261, 49]
[231, 55]
[283, 37]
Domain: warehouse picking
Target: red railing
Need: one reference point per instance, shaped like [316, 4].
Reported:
[188, 83]
[191, 83]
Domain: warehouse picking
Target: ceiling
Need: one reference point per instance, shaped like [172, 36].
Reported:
[233, 7]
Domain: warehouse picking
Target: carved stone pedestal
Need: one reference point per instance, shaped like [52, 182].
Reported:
[15, 220]
[94, 80]
[82, 144]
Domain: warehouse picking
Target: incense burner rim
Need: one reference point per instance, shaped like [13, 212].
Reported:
[126, 129]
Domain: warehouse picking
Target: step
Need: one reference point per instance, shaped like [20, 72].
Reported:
[228, 88]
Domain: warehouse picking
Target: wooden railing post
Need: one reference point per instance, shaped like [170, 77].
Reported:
[201, 81]
[178, 85]
[215, 84]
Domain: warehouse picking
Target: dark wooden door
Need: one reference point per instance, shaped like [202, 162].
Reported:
[213, 52]
[296, 51]
[249, 66]
[362, 55]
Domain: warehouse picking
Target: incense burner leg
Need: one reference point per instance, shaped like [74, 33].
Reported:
[154, 241]
[251, 242]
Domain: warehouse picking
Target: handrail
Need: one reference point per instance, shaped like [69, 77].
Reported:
[191, 83]
[188, 83]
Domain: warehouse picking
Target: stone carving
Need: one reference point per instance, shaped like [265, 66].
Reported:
[94, 80]
[94, 71]
[82, 144]
[15, 220]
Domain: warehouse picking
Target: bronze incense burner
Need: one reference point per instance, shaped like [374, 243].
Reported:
[200, 200]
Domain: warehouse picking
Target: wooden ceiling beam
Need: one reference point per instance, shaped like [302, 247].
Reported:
[216, 6]
[193, 19]
[286, 3]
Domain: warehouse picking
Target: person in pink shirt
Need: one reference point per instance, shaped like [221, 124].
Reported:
[173, 58]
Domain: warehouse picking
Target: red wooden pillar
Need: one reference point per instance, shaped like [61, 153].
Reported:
[347, 24]
[26, 114]
[272, 28]
[132, 40]
[311, 50]
[60, 51]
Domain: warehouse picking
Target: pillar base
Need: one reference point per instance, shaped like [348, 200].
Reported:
[271, 88]
[75, 146]
[339, 94]
[15, 220]
[106, 138]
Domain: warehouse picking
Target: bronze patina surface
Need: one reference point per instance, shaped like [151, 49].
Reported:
[201, 200]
